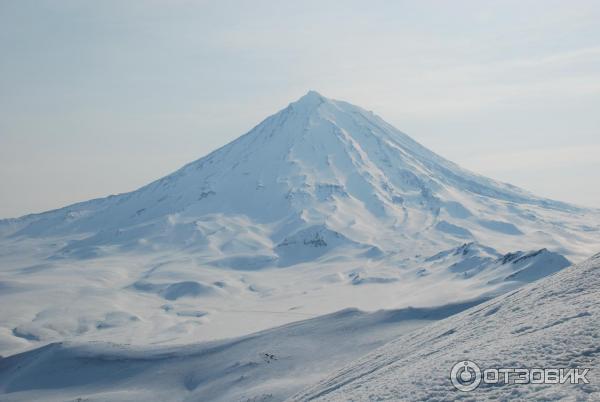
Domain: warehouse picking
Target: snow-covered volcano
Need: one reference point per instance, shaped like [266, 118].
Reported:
[320, 207]
[319, 167]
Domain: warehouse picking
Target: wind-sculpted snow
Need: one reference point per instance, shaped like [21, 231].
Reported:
[320, 207]
[552, 323]
[266, 366]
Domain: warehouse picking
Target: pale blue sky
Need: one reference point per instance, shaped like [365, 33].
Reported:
[101, 97]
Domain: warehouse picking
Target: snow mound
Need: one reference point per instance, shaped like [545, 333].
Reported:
[481, 263]
[529, 267]
[311, 243]
[177, 290]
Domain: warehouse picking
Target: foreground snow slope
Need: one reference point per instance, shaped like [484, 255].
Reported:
[266, 366]
[552, 323]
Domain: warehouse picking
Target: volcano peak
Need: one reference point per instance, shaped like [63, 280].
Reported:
[311, 99]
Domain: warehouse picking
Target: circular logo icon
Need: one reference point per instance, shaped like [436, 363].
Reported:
[465, 376]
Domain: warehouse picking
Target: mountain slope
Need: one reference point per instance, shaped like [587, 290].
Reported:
[320, 207]
[266, 366]
[552, 323]
[317, 162]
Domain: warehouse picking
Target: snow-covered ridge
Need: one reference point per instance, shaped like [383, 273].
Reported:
[472, 259]
[552, 323]
[266, 366]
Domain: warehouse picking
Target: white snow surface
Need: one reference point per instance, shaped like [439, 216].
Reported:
[321, 207]
[552, 323]
[265, 366]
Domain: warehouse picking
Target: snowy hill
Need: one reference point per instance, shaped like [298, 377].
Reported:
[484, 263]
[552, 323]
[266, 366]
[320, 207]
